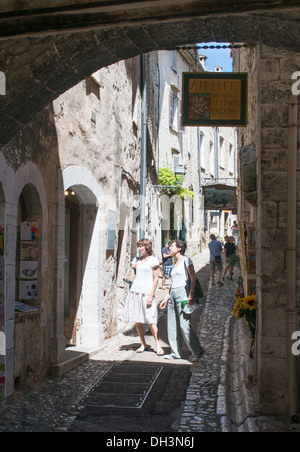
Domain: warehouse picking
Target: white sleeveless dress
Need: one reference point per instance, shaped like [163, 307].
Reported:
[135, 309]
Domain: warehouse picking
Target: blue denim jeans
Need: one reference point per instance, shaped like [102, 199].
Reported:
[179, 324]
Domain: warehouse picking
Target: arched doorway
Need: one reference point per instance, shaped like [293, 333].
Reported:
[71, 266]
[28, 337]
[82, 259]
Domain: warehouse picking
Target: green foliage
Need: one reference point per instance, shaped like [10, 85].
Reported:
[234, 260]
[251, 180]
[173, 186]
[166, 177]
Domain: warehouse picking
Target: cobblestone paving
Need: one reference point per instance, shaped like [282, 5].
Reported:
[51, 406]
[201, 400]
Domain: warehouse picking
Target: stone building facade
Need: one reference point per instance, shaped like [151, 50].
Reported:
[68, 174]
[70, 207]
[205, 156]
[268, 220]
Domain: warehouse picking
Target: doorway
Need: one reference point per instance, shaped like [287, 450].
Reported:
[71, 266]
[83, 254]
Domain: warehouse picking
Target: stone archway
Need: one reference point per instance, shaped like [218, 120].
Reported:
[28, 180]
[46, 52]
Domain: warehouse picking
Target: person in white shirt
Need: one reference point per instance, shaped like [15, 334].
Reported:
[140, 306]
[182, 289]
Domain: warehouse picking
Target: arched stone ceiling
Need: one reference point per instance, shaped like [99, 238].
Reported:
[48, 47]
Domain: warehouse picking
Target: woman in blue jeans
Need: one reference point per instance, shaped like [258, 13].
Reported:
[182, 288]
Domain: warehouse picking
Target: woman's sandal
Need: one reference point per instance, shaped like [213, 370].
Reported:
[143, 349]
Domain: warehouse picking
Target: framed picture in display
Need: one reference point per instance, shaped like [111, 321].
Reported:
[251, 286]
[252, 261]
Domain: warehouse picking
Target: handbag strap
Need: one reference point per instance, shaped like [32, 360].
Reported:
[188, 278]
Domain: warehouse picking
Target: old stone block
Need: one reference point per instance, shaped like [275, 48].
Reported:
[183, 32]
[9, 127]
[141, 39]
[274, 137]
[288, 65]
[274, 186]
[248, 155]
[269, 214]
[270, 265]
[271, 236]
[276, 92]
[273, 385]
[273, 160]
[282, 219]
[268, 52]
[270, 69]
[275, 327]
[270, 115]
[33, 99]
[275, 347]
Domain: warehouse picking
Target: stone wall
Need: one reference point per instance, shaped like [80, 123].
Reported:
[108, 146]
[270, 71]
[96, 156]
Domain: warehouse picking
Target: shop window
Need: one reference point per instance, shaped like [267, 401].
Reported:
[28, 250]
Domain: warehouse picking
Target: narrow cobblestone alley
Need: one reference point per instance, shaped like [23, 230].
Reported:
[184, 396]
[58, 405]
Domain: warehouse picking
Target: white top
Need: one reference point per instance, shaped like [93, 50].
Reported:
[180, 274]
[144, 279]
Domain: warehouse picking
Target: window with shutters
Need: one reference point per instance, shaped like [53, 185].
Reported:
[173, 111]
[174, 60]
[222, 153]
[178, 166]
[230, 160]
[211, 159]
[93, 117]
[180, 126]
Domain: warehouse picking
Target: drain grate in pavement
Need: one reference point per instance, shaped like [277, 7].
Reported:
[123, 386]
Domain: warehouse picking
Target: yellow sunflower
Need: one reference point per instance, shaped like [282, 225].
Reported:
[238, 306]
[250, 302]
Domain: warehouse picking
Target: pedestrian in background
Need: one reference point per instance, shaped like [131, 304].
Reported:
[140, 306]
[167, 264]
[229, 250]
[234, 229]
[215, 249]
[182, 290]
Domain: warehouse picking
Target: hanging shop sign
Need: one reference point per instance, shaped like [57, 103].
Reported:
[214, 99]
[220, 197]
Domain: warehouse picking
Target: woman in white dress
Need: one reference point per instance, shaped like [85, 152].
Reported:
[140, 306]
